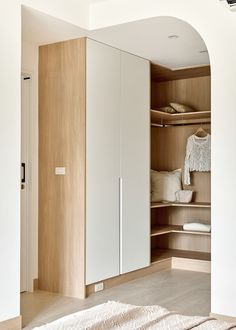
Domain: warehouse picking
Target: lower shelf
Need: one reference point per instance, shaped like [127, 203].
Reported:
[167, 229]
[162, 254]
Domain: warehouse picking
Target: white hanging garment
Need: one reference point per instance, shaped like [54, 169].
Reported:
[198, 156]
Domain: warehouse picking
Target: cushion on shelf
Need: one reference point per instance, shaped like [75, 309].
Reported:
[167, 109]
[181, 108]
[164, 185]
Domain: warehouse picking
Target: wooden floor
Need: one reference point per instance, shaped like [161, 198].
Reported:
[182, 291]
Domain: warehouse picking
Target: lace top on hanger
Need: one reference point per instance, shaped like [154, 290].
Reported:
[198, 156]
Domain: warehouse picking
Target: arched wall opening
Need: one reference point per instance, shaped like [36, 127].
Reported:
[187, 82]
[217, 25]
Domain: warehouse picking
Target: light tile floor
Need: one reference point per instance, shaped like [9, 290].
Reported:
[182, 291]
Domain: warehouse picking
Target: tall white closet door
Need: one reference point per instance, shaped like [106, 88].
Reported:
[102, 159]
[135, 163]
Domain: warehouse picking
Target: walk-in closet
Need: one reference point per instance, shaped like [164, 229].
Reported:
[181, 198]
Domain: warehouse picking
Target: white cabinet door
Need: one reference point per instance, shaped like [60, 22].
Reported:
[135, 163]
[103, 162]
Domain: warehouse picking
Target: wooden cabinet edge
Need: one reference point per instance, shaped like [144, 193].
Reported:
[225, 318]
[12, 324]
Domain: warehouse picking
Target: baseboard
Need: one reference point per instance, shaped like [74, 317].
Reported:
[35, 284]
[12, 324]
[191, 264]
[114, 281]
[229, 319]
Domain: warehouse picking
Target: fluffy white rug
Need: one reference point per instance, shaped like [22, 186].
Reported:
[115, 315]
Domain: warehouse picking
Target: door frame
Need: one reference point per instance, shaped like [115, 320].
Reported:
[25, 74]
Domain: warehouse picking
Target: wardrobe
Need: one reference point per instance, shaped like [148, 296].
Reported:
[98, 142]
[94, 165]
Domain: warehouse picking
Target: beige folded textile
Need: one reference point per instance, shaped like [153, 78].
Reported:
[197, 226]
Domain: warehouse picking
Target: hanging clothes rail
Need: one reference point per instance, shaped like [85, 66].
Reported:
[162, 119]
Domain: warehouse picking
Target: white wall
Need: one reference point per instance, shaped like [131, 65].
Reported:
[72, 11]
[10, 159]
[217, 26]
[29, 65]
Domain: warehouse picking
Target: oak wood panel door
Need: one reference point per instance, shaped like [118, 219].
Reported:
[135, 163]
[102, 162]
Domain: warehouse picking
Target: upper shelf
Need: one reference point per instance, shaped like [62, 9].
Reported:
[161, 73]
[163, 118]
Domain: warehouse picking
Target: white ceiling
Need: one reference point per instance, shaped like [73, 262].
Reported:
[146, 38]
[149, 39]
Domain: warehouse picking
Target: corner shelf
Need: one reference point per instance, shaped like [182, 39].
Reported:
[167, 229]
[155, 205]
[163, 254]
[160, 118]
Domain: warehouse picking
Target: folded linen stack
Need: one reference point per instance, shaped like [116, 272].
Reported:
[197, 226]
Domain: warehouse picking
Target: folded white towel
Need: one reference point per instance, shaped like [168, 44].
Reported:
[197, 226]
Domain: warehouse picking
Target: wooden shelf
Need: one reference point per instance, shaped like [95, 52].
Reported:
[155, 205]
[160, 73]
[162, 254]
[167, 229]
[163, 118]
[195, 204]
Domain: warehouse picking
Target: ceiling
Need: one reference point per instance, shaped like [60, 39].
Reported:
[149, 39]
[146, 38]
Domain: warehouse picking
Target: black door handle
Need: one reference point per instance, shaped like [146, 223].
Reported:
[23, 178]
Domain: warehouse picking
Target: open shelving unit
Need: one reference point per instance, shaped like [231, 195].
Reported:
[169, 134]
[169, 239]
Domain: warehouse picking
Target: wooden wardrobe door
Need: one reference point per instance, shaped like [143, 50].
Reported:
[102, 162]
[62, 144]
[135, 163]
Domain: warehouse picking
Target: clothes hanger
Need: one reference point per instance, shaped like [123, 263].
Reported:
[200, 132]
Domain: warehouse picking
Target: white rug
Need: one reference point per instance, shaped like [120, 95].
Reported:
[115, 315]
